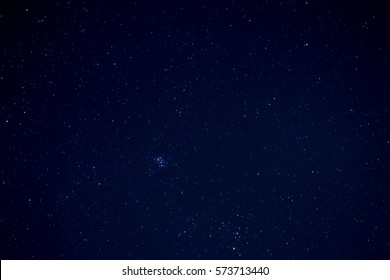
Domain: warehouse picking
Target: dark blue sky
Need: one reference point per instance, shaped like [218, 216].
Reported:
[194, 130]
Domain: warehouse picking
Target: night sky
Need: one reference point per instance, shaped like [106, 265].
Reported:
[195, 130]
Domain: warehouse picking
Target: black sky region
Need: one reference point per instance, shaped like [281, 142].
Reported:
[194, 129]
